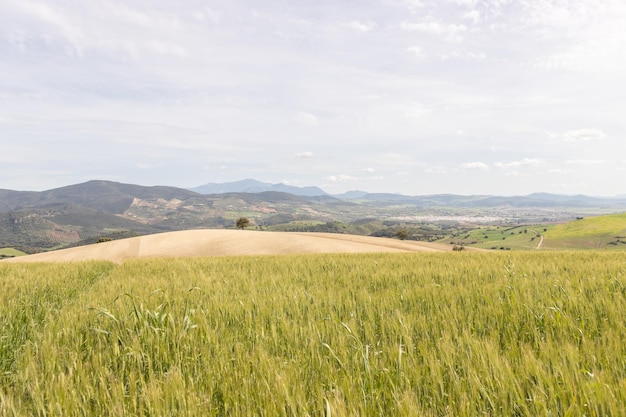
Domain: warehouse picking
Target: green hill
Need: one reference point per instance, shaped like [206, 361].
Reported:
[601, 232]
[59, 225]
[522, 237]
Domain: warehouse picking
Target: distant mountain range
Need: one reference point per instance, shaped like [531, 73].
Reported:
[83, 213]
[116, 198]
[531, 200]
[254, 186]
[99, 195]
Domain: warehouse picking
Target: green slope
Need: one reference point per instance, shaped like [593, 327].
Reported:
[10, 252]
[523, 237]
[601, 232]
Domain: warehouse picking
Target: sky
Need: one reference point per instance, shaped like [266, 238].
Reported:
[505, 97]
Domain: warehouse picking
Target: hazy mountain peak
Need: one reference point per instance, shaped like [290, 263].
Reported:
[254, 186]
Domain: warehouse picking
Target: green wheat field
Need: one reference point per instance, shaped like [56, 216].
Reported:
[454, 334]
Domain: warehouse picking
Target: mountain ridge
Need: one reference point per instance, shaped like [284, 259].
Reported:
[254, 186]
[100, 209]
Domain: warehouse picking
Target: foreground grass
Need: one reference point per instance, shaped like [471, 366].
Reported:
[456, 334]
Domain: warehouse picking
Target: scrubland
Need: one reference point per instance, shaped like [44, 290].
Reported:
[402, 334]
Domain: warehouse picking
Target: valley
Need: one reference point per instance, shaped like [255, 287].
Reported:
[80, 214]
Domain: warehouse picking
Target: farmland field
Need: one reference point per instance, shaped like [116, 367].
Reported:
[593, 232]
[11, 252]
[406, 334]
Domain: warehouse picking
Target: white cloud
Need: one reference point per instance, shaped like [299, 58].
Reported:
[389, 94]
[132, 16]
[474, 165]
[583, 135]
[290, 182]
[371, 97]
[370, 170]
[561, 15]
[360, 26]
[436, 170]
[448, 31]
[590, 34]
[341, 178]
[473, 15]
[110, 30]
[68, 28]
[521, 163]
[305, 155]
[414, 6]
[207, 15]
[167, 48]
[585, 162]
[306, 118]
[464, 56]
[470, 3]
[416, 111]
[415, 50]
[394, 161]
[558, 171]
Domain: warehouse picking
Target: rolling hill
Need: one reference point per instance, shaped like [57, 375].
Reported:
[600, 232]
[84, 213]
[202, 243]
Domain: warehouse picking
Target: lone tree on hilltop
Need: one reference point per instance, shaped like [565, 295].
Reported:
[242, 223]
[402, 234]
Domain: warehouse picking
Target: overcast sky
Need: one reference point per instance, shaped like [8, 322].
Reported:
[418, 97]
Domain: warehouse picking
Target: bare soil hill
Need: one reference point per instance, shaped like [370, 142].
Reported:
[219, 242]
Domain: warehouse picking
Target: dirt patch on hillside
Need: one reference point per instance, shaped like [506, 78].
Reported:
[199, 243]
